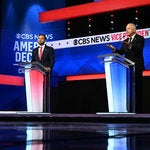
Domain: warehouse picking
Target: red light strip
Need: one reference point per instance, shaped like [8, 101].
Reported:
[89, 9]
[94, 76]
[11, 80]
[85, 77]
[146, 73]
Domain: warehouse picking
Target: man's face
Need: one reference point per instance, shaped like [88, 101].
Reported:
[130, 30]
[41, 40]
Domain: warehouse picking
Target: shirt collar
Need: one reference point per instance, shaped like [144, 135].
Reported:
[43, 46]
[133, 36]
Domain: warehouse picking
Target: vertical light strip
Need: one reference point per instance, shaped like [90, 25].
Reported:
[29, 138]
[109, 84]
[28, 90]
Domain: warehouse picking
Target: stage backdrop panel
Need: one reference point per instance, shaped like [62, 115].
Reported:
[20, 27]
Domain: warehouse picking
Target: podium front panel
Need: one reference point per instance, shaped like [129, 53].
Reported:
[34, 90]
[120, 91]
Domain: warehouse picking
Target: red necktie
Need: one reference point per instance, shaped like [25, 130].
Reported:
[40, 54]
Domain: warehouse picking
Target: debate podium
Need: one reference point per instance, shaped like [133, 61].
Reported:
[120, 83]
[37, 84]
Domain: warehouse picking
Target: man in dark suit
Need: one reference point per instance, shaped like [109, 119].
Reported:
[45, 55]
[48, 58]
[132, 48]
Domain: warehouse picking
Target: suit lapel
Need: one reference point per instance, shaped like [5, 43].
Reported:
[36, 53]
[135, 37]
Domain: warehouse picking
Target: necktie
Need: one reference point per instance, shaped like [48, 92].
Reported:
[130, 40]
[40, 53]
[130, 45]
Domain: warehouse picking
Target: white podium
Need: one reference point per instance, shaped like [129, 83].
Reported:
[37, 94]
[119, 72]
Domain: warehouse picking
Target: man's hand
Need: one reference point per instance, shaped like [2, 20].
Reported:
[111, 47]
[47, 69]
[128, 44]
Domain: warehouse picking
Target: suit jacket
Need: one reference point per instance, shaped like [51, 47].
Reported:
[135, 53]
[48, 56]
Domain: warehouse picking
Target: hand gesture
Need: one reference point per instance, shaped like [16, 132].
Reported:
[111, 47]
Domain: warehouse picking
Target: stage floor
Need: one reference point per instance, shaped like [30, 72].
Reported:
[49, 135]
[98, 117]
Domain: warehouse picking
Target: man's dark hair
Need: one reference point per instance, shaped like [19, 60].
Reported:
[42, 35]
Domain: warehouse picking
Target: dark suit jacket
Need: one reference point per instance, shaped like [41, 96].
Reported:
[48, 56]
[135, 53]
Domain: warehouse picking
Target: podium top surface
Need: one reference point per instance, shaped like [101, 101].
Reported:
[32, 65]
[116, 57]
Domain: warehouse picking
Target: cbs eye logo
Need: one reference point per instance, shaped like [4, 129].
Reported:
[24, 36]
[81, 41]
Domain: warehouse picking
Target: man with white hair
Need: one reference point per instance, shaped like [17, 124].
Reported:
[132, 48]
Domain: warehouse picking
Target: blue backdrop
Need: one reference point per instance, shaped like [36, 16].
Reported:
[83, 60]
[20, 27]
